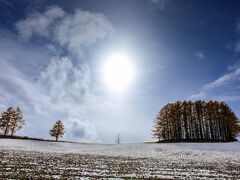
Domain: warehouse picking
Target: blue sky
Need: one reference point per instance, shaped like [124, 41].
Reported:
[52, 55]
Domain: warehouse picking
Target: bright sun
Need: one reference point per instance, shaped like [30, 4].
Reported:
[118, 72]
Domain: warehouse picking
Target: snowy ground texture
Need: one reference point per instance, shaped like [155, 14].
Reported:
[22, 159]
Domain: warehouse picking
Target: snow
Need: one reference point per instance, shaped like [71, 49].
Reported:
[140, 160]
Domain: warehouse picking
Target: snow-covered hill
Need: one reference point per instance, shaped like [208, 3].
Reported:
[168, 160]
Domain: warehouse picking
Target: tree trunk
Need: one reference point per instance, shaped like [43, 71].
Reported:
[14, 126]
[12, 133]
[6, 131]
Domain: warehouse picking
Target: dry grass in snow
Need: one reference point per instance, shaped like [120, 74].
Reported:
[57, 160]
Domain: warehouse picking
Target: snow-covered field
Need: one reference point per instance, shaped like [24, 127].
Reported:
[57, 160]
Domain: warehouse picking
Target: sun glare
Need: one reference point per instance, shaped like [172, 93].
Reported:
[118, 72]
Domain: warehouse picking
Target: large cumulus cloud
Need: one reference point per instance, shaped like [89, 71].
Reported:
[61, 87]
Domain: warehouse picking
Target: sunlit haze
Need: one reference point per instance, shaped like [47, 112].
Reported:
[118, 72]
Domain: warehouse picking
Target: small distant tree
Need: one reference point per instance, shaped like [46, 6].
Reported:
[118, 139]
[57, 130]
[17, 121]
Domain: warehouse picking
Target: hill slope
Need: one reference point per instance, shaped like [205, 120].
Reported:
[27, 158]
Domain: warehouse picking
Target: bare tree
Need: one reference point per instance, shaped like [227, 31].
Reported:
[57, 130]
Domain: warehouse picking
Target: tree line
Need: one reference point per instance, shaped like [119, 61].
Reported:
[11, 121]
[199, 120]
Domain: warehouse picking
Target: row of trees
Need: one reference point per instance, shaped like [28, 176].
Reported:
[11, 121]
[199, 120]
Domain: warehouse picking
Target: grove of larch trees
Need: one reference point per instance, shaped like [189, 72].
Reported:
[196, 121]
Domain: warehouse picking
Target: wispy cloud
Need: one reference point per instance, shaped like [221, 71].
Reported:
[237, 47]
[238, 26]
[228, 98]
[234, 66]
[225, 88]
[224, 80]
[160, 3]
[200, 55]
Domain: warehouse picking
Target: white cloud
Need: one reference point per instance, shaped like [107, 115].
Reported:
[200, 95]
[238, 25]
[67, 87]
[52, 48]
[61, 92]
[81, 29]
[237, 47]
[228, 98]
[83, 129]
[62, 88]
[234, 66]
[200, 55]
[75, 31]
[160, 3]
[39, 23]
[11, 83]
[65, 81]
[225, 88]
[224, 80]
